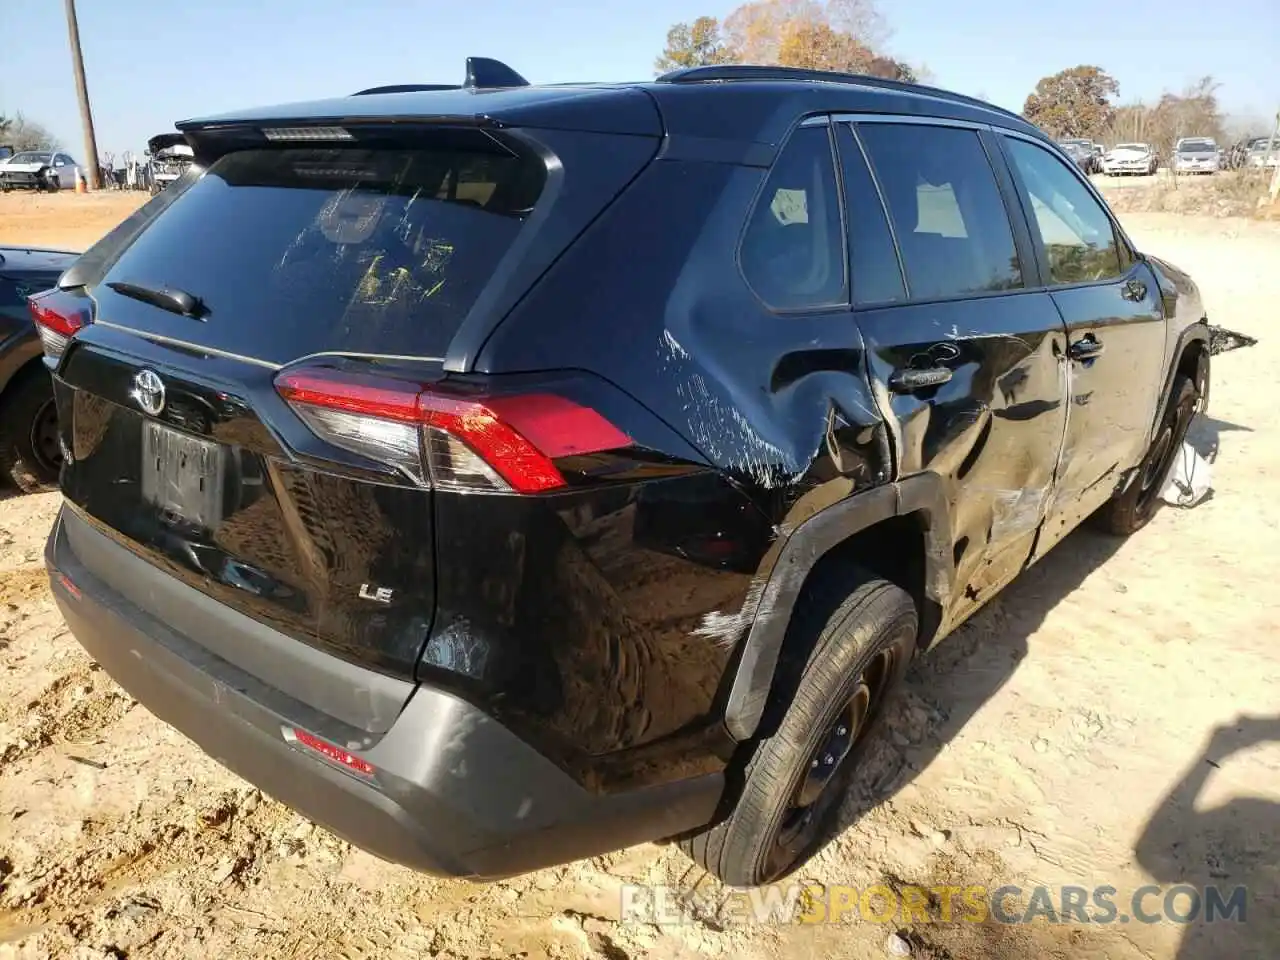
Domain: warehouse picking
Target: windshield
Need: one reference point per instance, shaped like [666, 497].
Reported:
[1132, 146]
[1197, 146]
[1261, 143]
[31, 158]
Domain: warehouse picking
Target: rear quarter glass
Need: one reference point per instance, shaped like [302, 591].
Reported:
[302, 250]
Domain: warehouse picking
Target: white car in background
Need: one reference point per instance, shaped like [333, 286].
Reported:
[1129, 158]
[1196, 155]
[169, 155]
[1263, 152]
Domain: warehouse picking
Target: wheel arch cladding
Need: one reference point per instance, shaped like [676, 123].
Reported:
[1190, 357]
[1193, 362]
[897, 531]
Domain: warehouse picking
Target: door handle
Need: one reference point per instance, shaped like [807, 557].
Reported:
[1085, 348]
[1134, 290]
[911, 379]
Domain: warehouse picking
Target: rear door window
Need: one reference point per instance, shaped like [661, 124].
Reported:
[875, 276]
[948, 215]
[793, 249]
[295, 251]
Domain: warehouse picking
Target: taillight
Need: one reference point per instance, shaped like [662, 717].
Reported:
[506, 443]
[57, 316]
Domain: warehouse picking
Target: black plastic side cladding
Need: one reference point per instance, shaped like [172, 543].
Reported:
[922, 495]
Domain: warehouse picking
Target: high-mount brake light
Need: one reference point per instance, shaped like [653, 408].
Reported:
[306, 133]
[506, 443]
[55, 324]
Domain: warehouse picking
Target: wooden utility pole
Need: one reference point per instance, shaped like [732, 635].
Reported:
[90, 164]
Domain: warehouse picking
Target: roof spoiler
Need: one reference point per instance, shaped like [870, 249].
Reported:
[483, 73]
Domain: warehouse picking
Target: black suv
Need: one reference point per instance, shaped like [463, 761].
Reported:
[29, 451]
[500, 474]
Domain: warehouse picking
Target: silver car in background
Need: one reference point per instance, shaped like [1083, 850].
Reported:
[1137, 158]
[1080, 151]
[38, 170]
[1196, 155]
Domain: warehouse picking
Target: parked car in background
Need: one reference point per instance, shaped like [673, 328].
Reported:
[168, 157]
[1129, 158]
[5, 153]
[29, 452]
[1081, 151]
[1196, 155]
[38, 170]
[366, 493]
[1264, 152]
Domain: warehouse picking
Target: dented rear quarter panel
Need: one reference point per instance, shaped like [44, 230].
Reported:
[779, 415]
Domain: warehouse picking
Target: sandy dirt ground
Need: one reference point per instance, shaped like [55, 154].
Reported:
[65, 220]
[1113, 718]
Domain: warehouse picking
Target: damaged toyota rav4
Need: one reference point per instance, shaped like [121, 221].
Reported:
[501, 474]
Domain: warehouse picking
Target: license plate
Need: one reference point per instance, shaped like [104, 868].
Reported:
[182, 475]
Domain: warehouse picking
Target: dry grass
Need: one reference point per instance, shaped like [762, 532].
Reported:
[1234, 193]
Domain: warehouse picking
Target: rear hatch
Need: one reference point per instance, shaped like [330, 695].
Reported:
[227, 347]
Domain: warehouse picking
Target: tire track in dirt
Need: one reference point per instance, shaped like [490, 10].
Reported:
[222, 836]
[23, 585]
[76, 705]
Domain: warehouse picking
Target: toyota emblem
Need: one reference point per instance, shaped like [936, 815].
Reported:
[148, 391]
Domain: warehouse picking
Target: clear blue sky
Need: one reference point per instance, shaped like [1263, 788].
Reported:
[151, 63]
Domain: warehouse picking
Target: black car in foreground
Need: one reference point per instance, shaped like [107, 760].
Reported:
[501, 474]
[29, 454]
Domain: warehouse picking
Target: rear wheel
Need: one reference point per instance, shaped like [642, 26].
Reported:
[794, 778]
[1133, 507]
[29, 453]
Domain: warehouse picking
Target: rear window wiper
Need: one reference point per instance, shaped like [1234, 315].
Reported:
[166, 298]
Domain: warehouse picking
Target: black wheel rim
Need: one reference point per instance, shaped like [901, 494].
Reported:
[1159, 459]
[822, 780]
[1163, 450]
[44, 438]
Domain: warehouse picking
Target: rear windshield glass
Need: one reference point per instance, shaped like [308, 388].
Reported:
[303, 250]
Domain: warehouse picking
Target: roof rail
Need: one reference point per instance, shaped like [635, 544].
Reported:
[406, 88]
[482, 73]
[747, 71]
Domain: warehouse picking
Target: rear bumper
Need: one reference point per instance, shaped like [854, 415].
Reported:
[454, 792]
